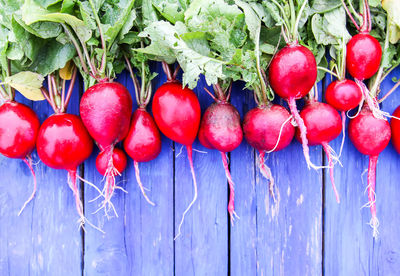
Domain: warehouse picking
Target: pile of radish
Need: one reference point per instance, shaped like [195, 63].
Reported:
[276, 48]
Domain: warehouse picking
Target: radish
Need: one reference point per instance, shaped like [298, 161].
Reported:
[370, 136]
[395, 127]
[267, 128]
[177, 114]
[63, 141]
[292, 74]
[323, 124]
[143, 142]
[19, 128]
[220, 129]
[106, 109]
[119, 161]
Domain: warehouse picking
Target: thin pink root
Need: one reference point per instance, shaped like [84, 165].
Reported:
[372, 102]
[28, 162]
[72, 177]
[136, 165]
[231, 204]
[373, 160]
[303, 132]
[343, 114]
[190, 153]
[331, 165]
[266, 172]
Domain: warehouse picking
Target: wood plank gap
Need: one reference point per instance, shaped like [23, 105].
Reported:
[173, 211]
[82, 188]
[323, 194]
[255, 190]
[229, 221]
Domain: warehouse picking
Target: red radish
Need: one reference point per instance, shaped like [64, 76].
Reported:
[106, 110]
[267, 128]
[323, 124]
[370, 136]
[19, 127]
[118, 158]
[143, 142]
[63, 141]
[177, 114]
[220, 129]
[343, 94]
[395, 126]
[292, 74]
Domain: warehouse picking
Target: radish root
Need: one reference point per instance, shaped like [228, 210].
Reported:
[136, 165]
[328, 151]
[343, 114]
[372, 102]
[78, 203]
[231, 204]
[190, 153]
[266, 172]
[374, 222]
[28, 161]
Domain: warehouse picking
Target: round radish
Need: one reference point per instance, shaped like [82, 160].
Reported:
[323, 125]
[267, 128]
[364, 54]
[143, 142]
[395, 127]
[343, 95]
[106, 110]
[370, 136]
[177, 113]
[64, 143]
[221, 130]
[292, 74]
[19, 127]
[118, 158]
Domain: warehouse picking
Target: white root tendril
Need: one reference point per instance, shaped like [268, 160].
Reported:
[374, 224]
[137, 175]
[266, 172]
[373, 103]
[343, 115]
[28, 161]
[280, 134]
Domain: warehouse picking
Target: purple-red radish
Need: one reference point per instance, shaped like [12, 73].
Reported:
[143, 142]
[267, 128]
[292, 74]
[19, 128]
[395, 127]
[220, 129]
[370, 136]
[63, 141]
[323, 124]
[106, 109]
[177, 113]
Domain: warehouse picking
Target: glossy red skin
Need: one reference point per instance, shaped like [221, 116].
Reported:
[368, 134]
[202, 138]
[19, 127]
[395, 127]
[119, 161]
[322, 121]
[177, 113]
[221, 125]
[106, 110]
[363, 57]
[143, 142]
[63, 142]
[261, 127]
[343, 95]
[293, 72]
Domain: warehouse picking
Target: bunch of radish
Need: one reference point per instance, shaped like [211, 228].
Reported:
[220, 129]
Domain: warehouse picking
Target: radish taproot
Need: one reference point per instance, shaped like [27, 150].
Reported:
[143, 142]
[292, 74]
[220, 129]
[395, 127]
[63, 141]
[106, 109]
[267, 128]
[19, 128]
[177, 113]
[323, 125]
[370, 136]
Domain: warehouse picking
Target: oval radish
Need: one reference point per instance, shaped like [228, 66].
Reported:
[106, 110]
[370, 136]
[118, 158]
[323, 125]
[395, 127]
[19, 127]
[343, 95]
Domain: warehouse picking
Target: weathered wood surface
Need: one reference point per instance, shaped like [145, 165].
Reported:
[307, 233]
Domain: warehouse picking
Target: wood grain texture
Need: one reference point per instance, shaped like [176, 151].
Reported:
[46, 234]
[202, 249]
[349, 246]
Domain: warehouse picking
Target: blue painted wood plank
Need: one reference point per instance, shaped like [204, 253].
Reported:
[202, 249]
[140, 241]
[45, 239]
[349, 246]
